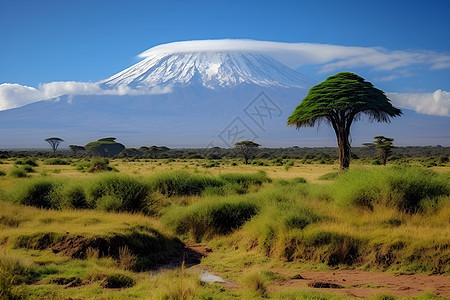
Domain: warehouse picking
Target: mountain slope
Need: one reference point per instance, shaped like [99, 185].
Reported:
[208, 69]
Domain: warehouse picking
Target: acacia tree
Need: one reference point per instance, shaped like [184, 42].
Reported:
[54, 142]
[76, 149]
[340, 100]
[384, 146]
[247, 149]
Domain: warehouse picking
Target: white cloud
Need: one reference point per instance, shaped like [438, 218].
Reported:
[332, 57]
[14, 95]
[437, 103]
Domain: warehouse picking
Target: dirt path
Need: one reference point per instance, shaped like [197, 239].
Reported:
[365, 284]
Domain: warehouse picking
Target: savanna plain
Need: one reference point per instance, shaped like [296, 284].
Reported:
[93, 228]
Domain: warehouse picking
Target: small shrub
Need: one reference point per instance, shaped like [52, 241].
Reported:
[207, 218]
[329, 176]
[300, 218]
[406, 188]
[245, 180]
[2, 173]
[127, 259]
[443, 159]
[74, 196]
[40, 192]
[112, 190]
[117, 281]
[56, 161]
[100, 164]
[18, 173]
[181, 183]
[27, 168]
[256, 283]
[109, 203]
[299, 180]
[27, 161]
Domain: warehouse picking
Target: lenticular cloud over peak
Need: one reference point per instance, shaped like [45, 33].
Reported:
[295, 55]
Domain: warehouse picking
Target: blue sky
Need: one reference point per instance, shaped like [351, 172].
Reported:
[53, 40]
[83, 40]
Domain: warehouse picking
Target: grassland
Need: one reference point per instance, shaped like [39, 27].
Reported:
[69, 229]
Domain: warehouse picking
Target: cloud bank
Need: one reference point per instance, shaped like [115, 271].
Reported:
[437, 103]
[14, 95]
[331, 57]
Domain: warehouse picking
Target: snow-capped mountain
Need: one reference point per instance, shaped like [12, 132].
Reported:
[211, 98]
[209, 69]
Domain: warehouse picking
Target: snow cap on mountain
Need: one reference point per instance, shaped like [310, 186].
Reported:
[209, 63]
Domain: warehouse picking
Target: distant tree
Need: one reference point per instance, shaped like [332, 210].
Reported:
[106, 147]
[247, 149]
[76, 149]
[340, 100]
[383, 145]
[54, 142]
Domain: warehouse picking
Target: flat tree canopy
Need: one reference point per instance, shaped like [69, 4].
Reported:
[246, 148]
[340, 100]
[54, 142]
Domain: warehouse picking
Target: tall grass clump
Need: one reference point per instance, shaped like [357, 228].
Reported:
[210, 217]
[18, 173]
[329, 176]
[39, 192]
[245, 180]
[119, 193]
[27, 161]
[56, 161]
[73, 195]
[181, 183]
[406, 188]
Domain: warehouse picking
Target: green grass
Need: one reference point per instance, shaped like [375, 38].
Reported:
[120, 226]
[210, 217]
[408, 189]
[182, 183]
[56, 161]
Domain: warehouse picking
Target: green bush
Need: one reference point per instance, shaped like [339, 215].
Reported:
[27, 161]
[74, 196]
[211, 217]
[182, 183]
[27, 168]
[109, 203]
[2, 173]
[245, 180]
[18, 173]
[299, 180]
[300, 218]
[99, 164]
[56, 161]
[329, 176]
[403, 187]
[131, 192]
[117, 281]
[40, 192]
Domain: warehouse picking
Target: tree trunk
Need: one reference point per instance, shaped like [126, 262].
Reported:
[344, 148]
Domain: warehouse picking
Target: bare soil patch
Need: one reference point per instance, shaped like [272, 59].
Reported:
[365, 284]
